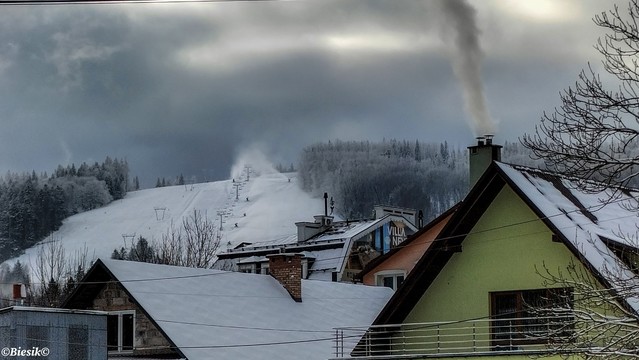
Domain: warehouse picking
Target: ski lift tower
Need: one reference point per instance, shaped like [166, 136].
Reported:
[237, 191]
[221, 214]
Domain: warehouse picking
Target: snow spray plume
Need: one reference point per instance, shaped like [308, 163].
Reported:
[460, 27]
[253, 159]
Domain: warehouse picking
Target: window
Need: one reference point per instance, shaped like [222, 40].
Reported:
[246, 268]
[6, 336]
[78, 344]
[254, 268]
[627, 254]
[530, 317]
[391, 279]
[120, 330]
[37, 337]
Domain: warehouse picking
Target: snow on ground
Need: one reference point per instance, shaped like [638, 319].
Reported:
[275, 203]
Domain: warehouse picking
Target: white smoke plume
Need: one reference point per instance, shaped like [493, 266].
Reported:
[459, 29]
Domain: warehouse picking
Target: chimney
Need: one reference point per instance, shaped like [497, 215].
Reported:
[287, 269]
[481, 156]
[306, 230]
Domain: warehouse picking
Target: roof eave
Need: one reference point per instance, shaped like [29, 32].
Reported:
[438, 254]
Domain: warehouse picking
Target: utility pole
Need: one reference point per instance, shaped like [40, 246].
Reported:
[248, 171]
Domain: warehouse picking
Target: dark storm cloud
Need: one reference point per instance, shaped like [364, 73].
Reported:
[183, 88]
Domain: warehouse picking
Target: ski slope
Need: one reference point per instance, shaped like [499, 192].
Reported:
[275, 202]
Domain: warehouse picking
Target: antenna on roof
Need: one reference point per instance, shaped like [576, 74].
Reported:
[332, 205]
[325, 204]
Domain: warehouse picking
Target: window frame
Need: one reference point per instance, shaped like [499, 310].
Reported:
[260, 267]
[394, 274]
[518, 329]
[120, 347]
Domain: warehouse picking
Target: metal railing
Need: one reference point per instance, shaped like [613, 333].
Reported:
[483, 336]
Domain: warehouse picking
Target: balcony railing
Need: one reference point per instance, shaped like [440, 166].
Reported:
[438, 339]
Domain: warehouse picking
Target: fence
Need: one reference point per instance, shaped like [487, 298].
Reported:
[471, 337]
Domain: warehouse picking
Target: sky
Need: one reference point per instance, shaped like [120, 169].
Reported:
[185, 88]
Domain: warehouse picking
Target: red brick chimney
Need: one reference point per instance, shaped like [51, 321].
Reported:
[287, 269]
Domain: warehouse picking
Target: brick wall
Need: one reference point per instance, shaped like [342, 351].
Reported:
[148, 339]
[287, 269]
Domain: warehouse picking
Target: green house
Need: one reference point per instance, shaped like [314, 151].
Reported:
[516, 273]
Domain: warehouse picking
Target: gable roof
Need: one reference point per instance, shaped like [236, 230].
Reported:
[373, 264]
[579, 219]
[228, 315]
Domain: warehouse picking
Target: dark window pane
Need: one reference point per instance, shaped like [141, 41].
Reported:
[400, 280]
[530, 317]
[388, 281]
[112, 332]
[5, 336]
[78, 345]
[37, 337]
[127, 331]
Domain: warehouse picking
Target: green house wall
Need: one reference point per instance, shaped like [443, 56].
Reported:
[506, 250]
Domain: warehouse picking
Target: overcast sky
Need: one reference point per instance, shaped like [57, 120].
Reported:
[183, 88]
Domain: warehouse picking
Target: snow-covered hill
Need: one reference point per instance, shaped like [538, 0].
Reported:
[275, 203]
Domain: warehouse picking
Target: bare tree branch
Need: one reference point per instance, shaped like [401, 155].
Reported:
[594, 135]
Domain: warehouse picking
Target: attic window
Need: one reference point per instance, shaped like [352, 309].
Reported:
[628, 255]
[120, 330]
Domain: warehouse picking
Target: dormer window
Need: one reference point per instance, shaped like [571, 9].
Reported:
[627, 254]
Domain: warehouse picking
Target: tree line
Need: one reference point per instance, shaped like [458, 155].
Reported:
[430, 177]
[33, 206]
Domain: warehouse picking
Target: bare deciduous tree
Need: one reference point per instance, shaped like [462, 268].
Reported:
[595, 132]
[594, 135]
[194, 244]
[56, 273]
[598, 317]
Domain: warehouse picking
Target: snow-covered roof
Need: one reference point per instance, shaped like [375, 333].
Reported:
[229, 315]
[344, 230]
[283, 240]
[340, 236]
[586, 219]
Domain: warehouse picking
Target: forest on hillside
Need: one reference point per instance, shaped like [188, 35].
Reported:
[430, 177]
[32, 206]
